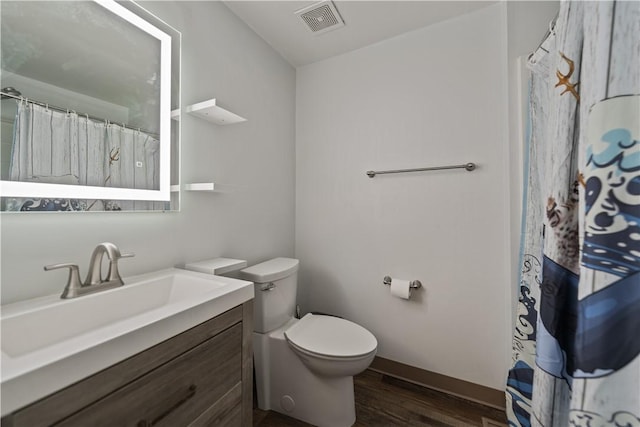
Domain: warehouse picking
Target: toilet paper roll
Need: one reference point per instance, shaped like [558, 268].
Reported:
[400, 288]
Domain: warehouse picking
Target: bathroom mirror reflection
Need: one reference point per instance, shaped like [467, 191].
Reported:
[87, 93]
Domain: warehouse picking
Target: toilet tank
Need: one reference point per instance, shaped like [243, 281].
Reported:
[275, 283]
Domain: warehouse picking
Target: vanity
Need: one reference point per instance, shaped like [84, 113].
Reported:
[173, 349]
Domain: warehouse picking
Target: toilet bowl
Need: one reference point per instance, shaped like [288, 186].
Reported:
[331, 346]
[304, 367]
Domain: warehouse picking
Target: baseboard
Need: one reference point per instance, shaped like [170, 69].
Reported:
[464, 389]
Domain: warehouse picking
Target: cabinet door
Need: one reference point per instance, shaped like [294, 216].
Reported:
[174, 394]
[226, 412]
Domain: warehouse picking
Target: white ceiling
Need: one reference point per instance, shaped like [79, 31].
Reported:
[366, 22]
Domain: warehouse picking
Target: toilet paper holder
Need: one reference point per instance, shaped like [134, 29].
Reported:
[414, 284]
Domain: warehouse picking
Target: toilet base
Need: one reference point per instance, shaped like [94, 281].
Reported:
[285, 385]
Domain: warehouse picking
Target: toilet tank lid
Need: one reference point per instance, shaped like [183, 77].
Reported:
[269, 271]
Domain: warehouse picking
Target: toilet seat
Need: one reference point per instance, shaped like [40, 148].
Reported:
[331, 337]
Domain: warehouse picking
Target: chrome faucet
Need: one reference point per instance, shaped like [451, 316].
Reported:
[94, 276]
[94, 281]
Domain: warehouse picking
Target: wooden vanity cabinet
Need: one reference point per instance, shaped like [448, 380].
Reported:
[201, 377]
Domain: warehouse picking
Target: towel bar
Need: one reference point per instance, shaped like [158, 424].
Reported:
[468, 166]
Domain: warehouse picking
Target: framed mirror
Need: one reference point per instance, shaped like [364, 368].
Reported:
[88, 89]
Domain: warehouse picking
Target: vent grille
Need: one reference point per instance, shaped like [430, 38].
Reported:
[321, 17]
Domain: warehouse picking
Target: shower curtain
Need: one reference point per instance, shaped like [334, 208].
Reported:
[66, 148]
[576, 345]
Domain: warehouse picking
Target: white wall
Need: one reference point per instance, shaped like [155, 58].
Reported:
[221, 58]
[436, 96]
[445, 94]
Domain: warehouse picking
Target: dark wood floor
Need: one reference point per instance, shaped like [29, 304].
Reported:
[385, 402]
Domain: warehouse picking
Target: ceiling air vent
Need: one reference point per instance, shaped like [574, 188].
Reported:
[321, 17]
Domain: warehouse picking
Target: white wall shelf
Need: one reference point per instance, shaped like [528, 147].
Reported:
[175, 114]
[209, 110]
[200, 186]
[174, 188]
[209, 187]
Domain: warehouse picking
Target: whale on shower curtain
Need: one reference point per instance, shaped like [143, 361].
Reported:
[594, 338]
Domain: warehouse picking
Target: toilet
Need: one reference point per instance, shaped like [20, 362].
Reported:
[304, 367]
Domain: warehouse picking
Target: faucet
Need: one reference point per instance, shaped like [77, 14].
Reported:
[94, 276]
[94, 281]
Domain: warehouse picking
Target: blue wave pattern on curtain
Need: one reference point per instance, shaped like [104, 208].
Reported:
[576, 359]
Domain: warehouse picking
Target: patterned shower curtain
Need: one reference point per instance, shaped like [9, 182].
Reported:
[576, 346]
[66, 148]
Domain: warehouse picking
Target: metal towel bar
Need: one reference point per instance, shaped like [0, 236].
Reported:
[468, 166]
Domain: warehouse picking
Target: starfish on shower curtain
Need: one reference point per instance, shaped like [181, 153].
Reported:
[563, 79]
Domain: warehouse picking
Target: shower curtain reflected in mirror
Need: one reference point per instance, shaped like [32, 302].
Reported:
[576, 346]
[65, 148]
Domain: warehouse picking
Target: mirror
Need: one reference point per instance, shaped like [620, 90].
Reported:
[88, 89]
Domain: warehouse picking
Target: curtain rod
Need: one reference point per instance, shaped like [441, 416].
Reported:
[66, 110]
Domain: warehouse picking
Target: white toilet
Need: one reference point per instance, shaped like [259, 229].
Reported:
[304, 367]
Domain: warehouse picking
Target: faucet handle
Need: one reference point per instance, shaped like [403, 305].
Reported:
[114, 274]
[73, 282]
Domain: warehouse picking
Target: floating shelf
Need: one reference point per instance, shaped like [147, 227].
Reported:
[208, 110]
[209, 187]
[174, 188]
[200, 186]
[175, 114]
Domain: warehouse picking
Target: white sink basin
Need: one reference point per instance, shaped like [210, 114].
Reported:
[61, 320]
[49, 343]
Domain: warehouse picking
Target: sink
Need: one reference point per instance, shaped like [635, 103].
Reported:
[65, 319]
[49, 343]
